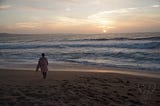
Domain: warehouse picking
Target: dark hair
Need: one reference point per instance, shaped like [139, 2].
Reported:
[43, 54]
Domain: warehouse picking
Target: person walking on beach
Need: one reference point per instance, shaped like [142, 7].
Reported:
[43, 65]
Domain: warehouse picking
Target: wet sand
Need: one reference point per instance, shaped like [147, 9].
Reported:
[74, 88]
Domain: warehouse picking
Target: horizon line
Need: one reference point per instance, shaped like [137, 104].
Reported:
[75, 33]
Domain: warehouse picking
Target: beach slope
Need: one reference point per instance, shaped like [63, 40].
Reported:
[68, 88]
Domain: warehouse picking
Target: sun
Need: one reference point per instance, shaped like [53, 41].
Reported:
[104, 31]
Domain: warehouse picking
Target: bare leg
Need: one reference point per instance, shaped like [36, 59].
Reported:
[44, 75]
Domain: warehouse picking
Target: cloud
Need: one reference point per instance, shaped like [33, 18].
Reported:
[27, 25]
[1, 1]
[72, 1]
[35, 8]
[66, 14]
[70, 21]
[53, 1]
[62, 24]
[68, 1]
[107, 13]
[107, 19]
[67, 9]
[96, 2]
[59, 21]
[156, 6]
[4, 7]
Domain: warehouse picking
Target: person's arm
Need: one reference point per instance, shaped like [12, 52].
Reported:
[38, 65]
[47, 61]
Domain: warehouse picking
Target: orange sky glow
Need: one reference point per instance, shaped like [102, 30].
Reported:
[79, 16]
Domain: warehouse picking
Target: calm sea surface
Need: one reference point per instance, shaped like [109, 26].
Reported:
[138, 51]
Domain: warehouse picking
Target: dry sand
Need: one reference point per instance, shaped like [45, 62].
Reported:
[67, 88]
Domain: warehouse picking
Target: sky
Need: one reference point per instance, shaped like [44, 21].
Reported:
[79, 16]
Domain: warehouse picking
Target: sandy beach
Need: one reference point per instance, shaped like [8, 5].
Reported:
[74, 88]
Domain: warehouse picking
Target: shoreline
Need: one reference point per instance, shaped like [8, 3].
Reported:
[74, 67]
[52, 65]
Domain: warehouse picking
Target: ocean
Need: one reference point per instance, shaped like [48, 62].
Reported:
[137, 51]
